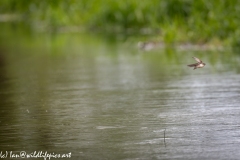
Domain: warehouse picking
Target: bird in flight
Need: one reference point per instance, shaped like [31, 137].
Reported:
[200, 64]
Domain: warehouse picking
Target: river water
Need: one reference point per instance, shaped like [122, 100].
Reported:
[98, 99]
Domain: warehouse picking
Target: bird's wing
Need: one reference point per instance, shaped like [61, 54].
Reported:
[198, 60]
[192, 65]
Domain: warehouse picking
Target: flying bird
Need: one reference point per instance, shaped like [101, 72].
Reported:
[200, 64]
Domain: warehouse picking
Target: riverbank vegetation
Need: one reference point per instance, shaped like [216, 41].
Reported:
[170, 21]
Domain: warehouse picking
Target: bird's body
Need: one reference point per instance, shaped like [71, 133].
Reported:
[200, 64]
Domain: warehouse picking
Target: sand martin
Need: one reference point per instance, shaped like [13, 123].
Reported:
[200, 64]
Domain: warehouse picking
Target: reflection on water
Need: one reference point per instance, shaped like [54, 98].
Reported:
[104, 102]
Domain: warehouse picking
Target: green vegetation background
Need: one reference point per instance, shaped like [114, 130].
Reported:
[196, 21]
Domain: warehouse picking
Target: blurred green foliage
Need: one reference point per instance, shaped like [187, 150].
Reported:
[198, 21]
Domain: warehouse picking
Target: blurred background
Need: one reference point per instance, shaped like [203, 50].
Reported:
[214, 22]
[106, 79]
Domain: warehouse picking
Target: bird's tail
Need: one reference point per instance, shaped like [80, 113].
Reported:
[191, 65]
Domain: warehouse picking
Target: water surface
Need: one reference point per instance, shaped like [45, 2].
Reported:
[107, 100]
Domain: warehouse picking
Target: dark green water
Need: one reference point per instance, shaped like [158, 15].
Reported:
[100, 99]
